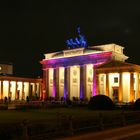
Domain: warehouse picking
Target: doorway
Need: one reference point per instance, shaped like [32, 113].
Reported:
[115, 94]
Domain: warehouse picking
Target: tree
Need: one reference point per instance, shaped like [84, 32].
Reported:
[137, 104]
[101, 102]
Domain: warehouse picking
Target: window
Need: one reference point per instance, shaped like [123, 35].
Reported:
[115, 79]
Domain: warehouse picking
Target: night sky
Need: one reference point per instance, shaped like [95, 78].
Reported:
[30, 28]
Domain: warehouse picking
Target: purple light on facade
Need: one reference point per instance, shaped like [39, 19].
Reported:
[94, 84]
[81, 92]
[77, 60]
[81, 82]
[54, 91]
[54, 83]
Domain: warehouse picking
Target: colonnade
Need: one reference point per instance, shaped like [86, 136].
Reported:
[128, 85]
[73, 81]
[19, 90]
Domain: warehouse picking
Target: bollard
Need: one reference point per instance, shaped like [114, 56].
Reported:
[71, 132]
[25, 129]
[101, 121]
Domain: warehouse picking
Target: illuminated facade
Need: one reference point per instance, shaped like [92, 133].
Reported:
[18, 88]
[86, 72]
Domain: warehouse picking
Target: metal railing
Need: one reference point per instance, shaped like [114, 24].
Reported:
[66, 125]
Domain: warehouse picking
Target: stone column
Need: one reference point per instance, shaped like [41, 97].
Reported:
[137, 86]
[46, 82]
[57, 82]
[88, 80]
[29, 91]
[75, 81]
[1, 89]
[38, 90]
[83, 84]
[107, 84]
[43, 92]
[94, 82]
[51, 82]
[65, 82]
[9, 89]
[35, 88]
[16, 89]
[97, 84]
[120, 88]
[54, 82]
[131, 86]
[23, 94]
[60, 82]
[82, 94]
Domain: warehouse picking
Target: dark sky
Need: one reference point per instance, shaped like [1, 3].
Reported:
[30, 28]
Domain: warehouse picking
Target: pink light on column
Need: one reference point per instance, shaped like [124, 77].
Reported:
[54, 91]
[94, 83]
[54, 83]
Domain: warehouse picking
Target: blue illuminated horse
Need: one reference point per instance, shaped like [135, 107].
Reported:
[79, 41]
